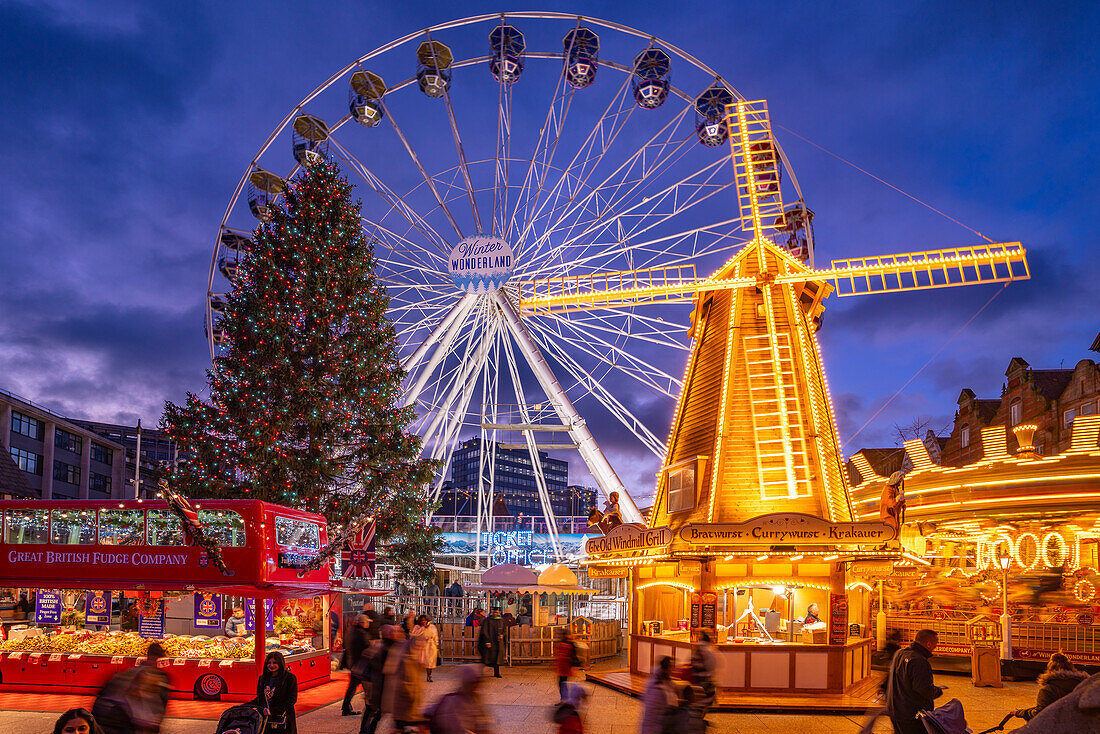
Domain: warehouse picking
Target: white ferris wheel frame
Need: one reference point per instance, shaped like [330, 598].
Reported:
[455, 321]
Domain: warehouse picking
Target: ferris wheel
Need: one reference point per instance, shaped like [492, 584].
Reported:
[502, 150]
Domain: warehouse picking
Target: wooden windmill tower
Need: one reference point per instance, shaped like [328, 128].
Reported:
[753, 431]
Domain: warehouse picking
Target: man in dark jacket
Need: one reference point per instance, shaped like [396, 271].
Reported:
[910, 687]
[491, 639]
[356, 645]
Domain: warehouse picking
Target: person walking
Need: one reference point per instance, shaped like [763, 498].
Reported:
[356, 645]
[428, 634]
[492, 636]
[377, 655]
[1060, 678]
[475, 618]
[402, 690]
[910, 688]
[77, 721]
[134, 700]
[462, 711]
[704, 668]
[276, 693]
[658, 698]
[567, 715]
[408, 623]
[565, 657]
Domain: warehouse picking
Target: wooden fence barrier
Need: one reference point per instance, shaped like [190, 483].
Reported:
[526, 644]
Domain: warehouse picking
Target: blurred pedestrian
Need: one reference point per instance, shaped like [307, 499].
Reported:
[462, 711]
[567, 715]
[77, 721]
[134, 700]
[374, 624]
[704, 668]
[402, 690]
[428, 634]
[356, 645]
[565, 659]
[688, 716]
[492, 636]
[377, 655]
[659, 698]
[387, 616]
[408, 623]
[276, 693]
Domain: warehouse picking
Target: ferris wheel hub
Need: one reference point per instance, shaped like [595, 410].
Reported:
[481, 263]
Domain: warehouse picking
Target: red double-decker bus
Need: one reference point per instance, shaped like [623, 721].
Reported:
[138, 548]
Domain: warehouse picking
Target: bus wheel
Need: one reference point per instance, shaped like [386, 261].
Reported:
[209, 687]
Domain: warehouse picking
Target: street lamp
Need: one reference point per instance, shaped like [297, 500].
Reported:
[1004, 561]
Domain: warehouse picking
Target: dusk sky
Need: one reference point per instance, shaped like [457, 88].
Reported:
[127, 126]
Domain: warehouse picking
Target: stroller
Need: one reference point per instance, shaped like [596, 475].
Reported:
[242, 719]
[946, 719]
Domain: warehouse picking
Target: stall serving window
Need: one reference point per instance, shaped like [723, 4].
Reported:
[293, 533]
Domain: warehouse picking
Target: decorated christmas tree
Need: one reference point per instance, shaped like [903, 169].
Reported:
[304, 405]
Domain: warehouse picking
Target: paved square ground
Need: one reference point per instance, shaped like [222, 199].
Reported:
[522, 701]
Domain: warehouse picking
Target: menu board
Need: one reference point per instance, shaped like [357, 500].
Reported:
[208, 609]
[696, 610]
[151, 618]
[710, 610]
[97, 607]
[838, 619]
[47, 607]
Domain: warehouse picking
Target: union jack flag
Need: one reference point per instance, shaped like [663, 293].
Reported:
[358, 557]
[193, 527]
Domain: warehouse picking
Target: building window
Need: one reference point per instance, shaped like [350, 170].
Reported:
[964, 436]
[28, 461]
[27, 426]
[102, 454]
[99, 482]
[681, 488]
[65, 440]
[1068, 416]
[1088, 409]
[1014, 413]
[67, 473]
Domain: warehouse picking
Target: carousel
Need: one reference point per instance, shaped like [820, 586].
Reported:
[1013, 536]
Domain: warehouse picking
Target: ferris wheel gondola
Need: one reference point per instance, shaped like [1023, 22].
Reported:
[573, 184]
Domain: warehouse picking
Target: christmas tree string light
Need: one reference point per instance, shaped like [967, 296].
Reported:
[305, 400]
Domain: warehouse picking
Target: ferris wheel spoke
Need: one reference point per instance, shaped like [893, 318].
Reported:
[612, 116]
[461, 152]
[415, 249]
[614, 355]
[394, 201]
[445, 338]
[574, 206]
[623, 324]
[602, 394]
[420, 167]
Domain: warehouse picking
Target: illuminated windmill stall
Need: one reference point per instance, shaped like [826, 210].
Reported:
[752, 489]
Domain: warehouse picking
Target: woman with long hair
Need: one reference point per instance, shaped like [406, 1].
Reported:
[77, 721]
[428, 634]
[276, 693]
[1060, 678]
[659, 697]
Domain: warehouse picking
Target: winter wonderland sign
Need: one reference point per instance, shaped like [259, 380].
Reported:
[481, 263]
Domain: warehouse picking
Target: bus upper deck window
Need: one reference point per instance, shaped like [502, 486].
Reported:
[225, 527]
[73, 527]
[163, 528]
[122, 527]
[26, 526]
[297, 533]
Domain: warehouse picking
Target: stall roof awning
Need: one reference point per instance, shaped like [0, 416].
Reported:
[531, 588]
